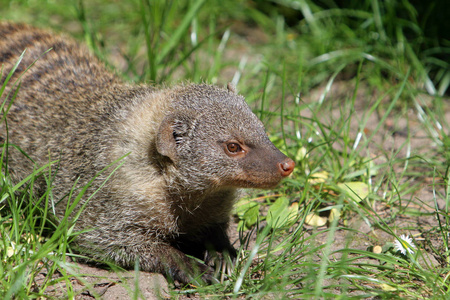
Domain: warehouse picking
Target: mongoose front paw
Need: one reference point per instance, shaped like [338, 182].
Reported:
[193, 272]
[223, 262]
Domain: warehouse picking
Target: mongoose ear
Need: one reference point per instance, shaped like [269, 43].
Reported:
[171, 133]
[231, 88]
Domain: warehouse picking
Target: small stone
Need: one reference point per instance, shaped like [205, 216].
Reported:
[377, 249]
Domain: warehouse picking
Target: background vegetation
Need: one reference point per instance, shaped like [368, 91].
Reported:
[355, 91]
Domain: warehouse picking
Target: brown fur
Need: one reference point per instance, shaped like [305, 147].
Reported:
[173, 194]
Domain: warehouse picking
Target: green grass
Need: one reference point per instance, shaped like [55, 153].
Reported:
[335, 87]
[25, 253]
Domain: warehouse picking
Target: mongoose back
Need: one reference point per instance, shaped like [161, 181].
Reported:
[186, 151]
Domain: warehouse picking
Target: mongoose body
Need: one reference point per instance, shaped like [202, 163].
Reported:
[185, 150]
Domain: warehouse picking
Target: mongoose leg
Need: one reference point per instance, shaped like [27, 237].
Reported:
[175, 264]
[214, 248]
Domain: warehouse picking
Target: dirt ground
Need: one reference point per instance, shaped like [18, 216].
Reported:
[92, 282]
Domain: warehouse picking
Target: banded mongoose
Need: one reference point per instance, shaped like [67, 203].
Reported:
[189, 148]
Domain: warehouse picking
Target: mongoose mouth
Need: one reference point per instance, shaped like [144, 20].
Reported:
[265, 177]
[262, 184]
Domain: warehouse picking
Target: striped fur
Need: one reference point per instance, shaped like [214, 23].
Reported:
[174, 191]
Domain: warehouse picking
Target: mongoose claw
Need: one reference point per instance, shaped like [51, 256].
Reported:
[191, 274]
[223, 262]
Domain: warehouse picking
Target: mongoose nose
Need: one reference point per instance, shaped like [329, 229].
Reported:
[286, 167]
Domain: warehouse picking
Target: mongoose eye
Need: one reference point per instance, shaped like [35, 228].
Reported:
[234, 148]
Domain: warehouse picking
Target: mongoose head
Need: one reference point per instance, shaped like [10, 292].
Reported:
[213, 139]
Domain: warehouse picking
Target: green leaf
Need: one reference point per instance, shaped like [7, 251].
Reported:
[357, 191]
[278, 214]
[248, 213]
[242, 206]
[315, 220]
[334, 214]
[251, 216]
[387, 287]
[293, 213]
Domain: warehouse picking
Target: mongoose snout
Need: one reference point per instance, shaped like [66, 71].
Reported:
[286, 167]
[185, 150]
